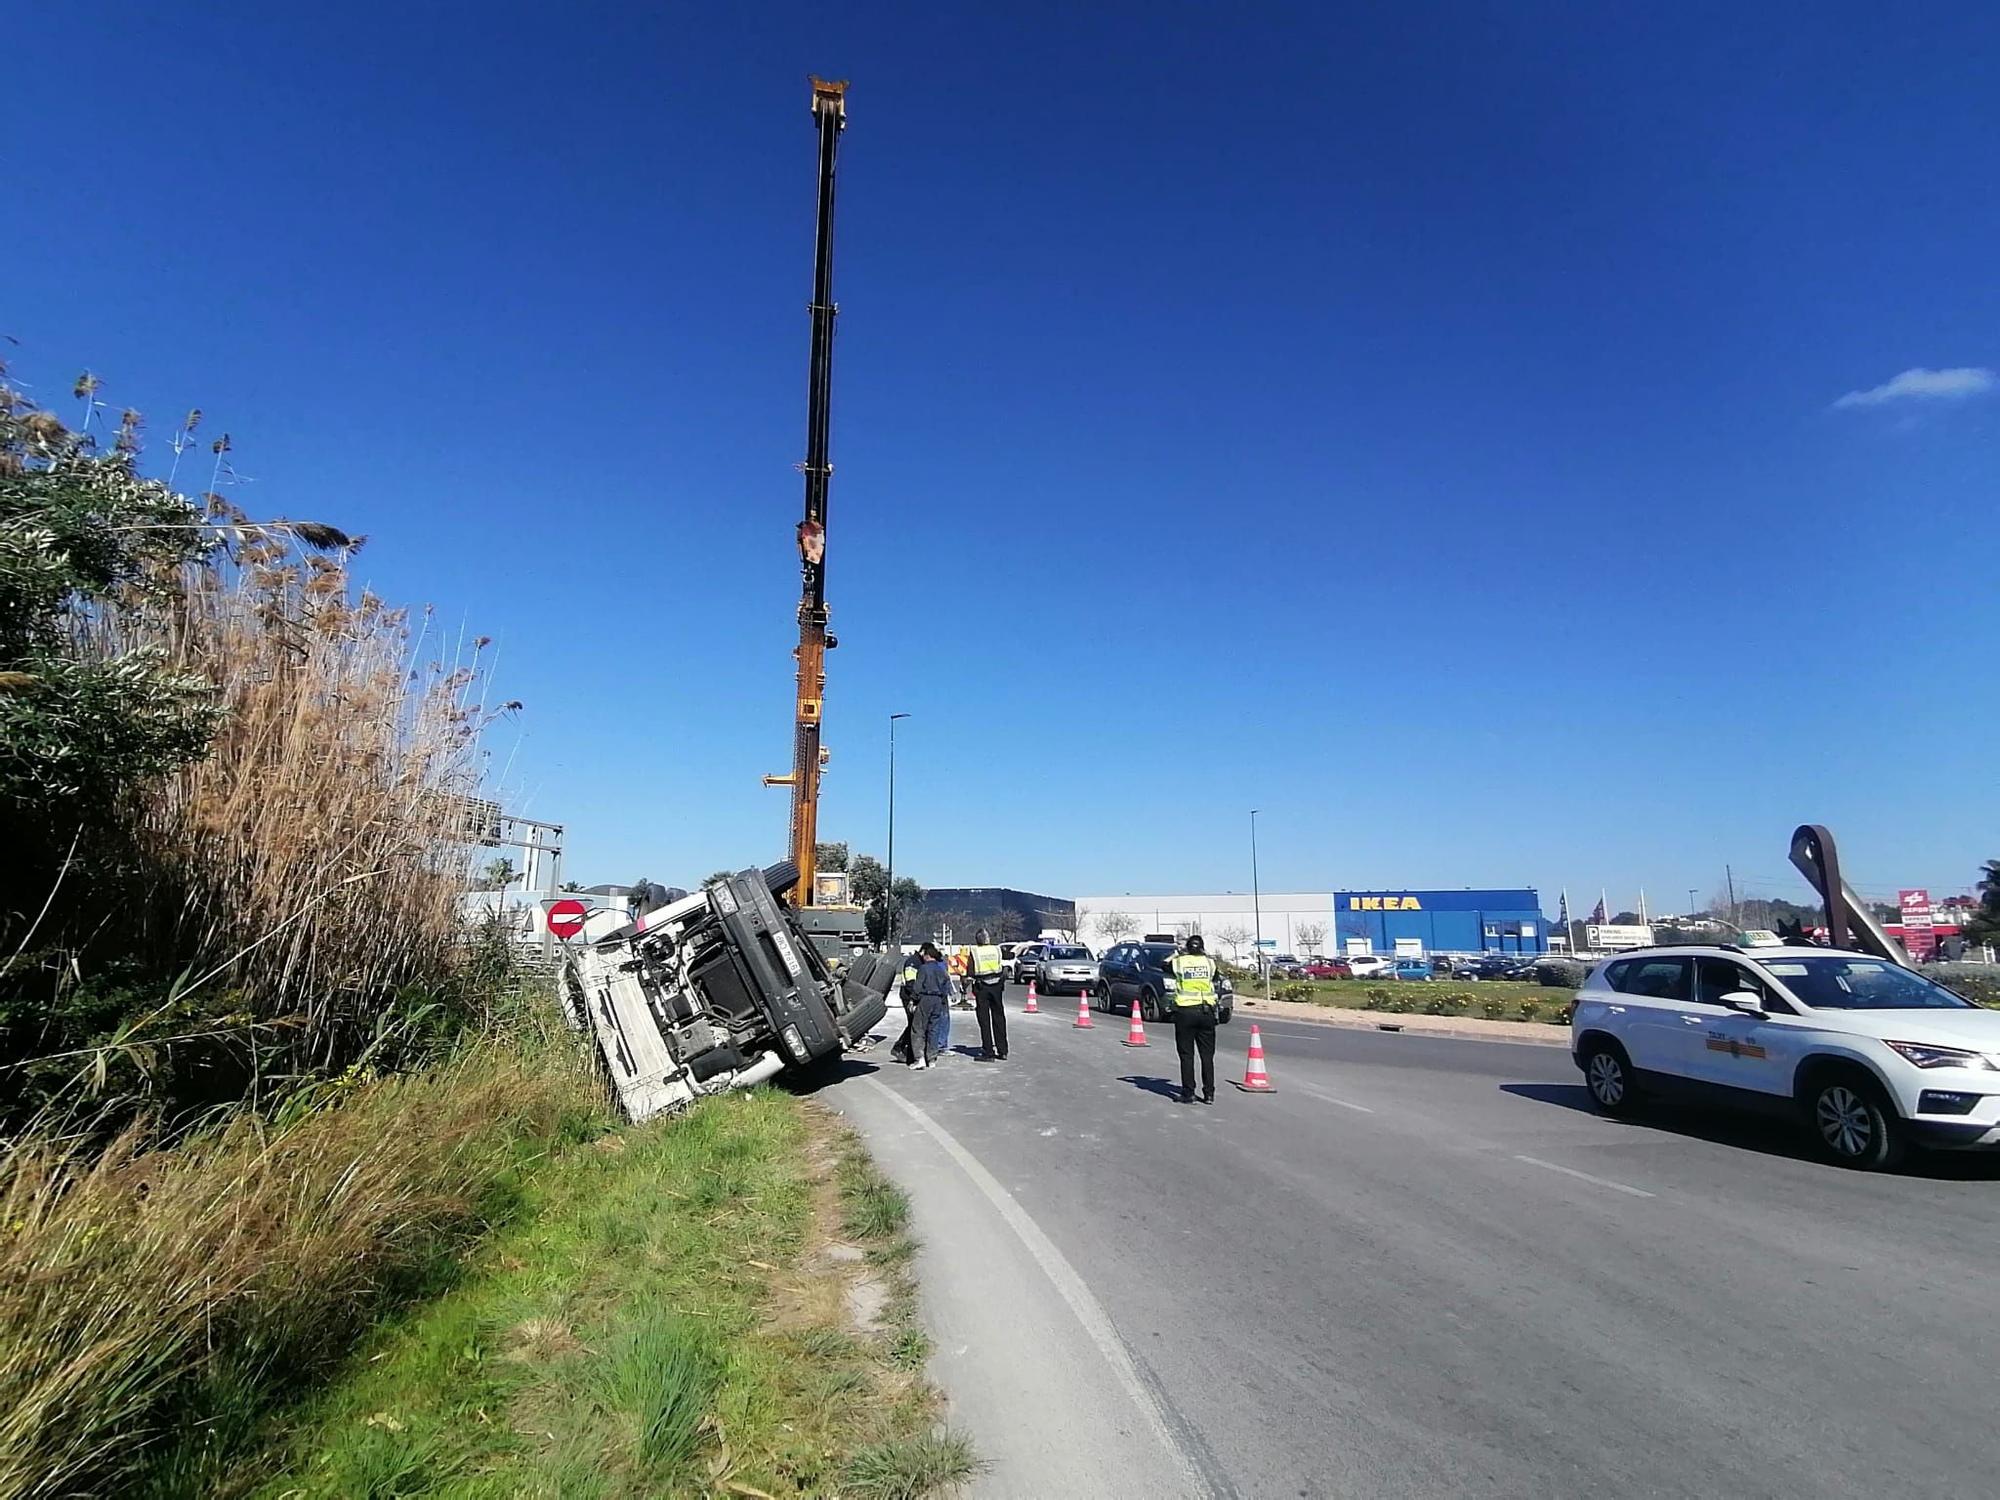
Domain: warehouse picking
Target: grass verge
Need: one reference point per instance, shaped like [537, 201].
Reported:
[715, 1305]
[1493, 999]
[156, 1301]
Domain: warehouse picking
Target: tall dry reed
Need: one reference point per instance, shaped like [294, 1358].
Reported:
[302, 876]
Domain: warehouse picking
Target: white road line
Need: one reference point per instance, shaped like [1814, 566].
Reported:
[1604, 1182]
[1055, 1265]
[1320, 1093]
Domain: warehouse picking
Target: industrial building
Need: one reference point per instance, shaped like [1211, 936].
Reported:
[953, 913]
[1290, 921]
[1441, 921]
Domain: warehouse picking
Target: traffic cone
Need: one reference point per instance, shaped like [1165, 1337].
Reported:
[1135, 1035]
[1033, 1009]
[1255, 1079]
[1082, 1021]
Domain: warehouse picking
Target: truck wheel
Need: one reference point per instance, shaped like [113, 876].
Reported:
[781, 877]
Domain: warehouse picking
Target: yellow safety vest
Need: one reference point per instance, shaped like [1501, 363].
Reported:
[1194, 980]
[985, 961]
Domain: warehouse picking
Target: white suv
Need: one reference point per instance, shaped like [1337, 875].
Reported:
[1869, 1054]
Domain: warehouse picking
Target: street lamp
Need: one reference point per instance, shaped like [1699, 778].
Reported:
[889, 895]
[1257, 905]
[1691, 910]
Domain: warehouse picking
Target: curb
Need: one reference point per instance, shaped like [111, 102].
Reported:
[1532, 1033]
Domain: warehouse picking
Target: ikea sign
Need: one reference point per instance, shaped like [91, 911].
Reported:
[1384, 903]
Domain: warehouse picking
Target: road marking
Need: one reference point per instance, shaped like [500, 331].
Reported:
[1320, 1093]
[1605, 1182]
[1063, 1276]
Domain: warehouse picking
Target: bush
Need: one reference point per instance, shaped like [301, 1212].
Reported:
[252, 873]
[1378, 999]
[1293, 990]
[1495, 1009]
[1980, 982]
[1530, 1010]
[1560, 973]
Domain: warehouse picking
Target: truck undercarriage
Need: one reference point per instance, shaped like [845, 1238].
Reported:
[722, 989]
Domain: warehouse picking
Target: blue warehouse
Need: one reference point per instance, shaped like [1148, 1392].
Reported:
[1443, 921]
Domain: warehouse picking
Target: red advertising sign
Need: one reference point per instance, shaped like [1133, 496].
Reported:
[566, 918]
[1919, 934]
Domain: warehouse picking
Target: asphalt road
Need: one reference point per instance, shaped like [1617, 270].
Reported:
[1422, 1268]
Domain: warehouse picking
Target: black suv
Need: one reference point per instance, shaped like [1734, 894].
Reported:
[1137, 974]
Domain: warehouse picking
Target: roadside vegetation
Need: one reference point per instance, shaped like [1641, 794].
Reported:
[265, 1102]
[691, 1308]
[1489, 999]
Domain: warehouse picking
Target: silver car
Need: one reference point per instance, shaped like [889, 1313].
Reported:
[1067, 968]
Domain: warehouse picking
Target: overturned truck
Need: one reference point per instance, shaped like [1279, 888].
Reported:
[719, 990]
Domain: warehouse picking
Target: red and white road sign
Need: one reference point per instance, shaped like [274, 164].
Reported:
[566, 919]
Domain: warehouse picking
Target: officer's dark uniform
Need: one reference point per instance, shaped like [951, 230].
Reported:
[1194, 1021]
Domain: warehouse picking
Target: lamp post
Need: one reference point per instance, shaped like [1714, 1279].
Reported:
[1691, 910]
[889, 895]
[1257, 906]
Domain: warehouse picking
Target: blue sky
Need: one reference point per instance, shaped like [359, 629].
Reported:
[1422, 422]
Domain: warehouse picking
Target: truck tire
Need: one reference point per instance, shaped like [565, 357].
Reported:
[862, 970]
[864, 1014]
[781, 877]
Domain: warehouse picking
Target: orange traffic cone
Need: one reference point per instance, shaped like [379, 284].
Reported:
[1136, 1035]
[1082, 1021]
[1033, 1009]
[1255, 1079]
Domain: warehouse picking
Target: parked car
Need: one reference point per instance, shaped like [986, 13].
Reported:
[1132, 974]
[1410, 968]
[1490, 966]
[1027, 962]
[1866, 1055]
[1329, 968]
[1007, 952]
[1368, 966]
[1066, 969]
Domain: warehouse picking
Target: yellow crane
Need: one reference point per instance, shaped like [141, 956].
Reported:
[829, 111]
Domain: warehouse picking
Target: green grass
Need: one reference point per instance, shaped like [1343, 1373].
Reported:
[652, 1324]
[911, 1468]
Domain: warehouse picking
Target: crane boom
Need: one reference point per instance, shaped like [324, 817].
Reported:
[829, 109]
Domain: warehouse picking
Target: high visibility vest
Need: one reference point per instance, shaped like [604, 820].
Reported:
[1194, 980]
[985, 961]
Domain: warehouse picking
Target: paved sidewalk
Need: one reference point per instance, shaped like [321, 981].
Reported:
[1251, 1007]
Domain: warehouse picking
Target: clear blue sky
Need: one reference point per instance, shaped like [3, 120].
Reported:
[1458, 384]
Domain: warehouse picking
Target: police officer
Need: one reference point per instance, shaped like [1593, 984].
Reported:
[1194, 1016]
[989, 989]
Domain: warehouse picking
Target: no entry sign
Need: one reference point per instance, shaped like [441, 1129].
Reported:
[566, 919]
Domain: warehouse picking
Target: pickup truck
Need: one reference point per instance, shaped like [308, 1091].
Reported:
[721, 989]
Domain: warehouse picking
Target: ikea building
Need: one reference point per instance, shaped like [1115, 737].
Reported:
[1440, 921]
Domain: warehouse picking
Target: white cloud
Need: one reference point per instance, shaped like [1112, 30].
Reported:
[1925, 385]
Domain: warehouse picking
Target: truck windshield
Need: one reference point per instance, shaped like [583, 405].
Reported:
[1850, 983]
